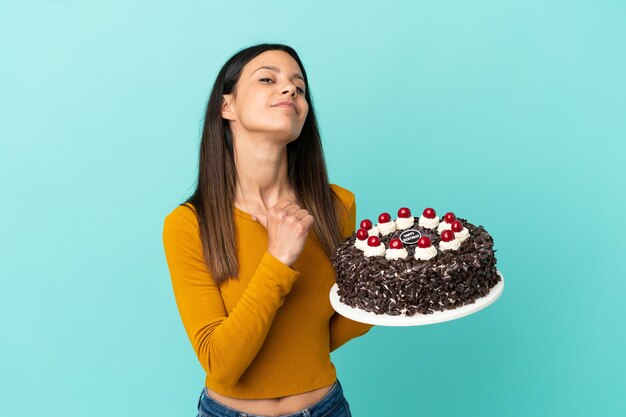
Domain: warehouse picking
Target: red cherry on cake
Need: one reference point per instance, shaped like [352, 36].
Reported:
[449, 217]
[404, 213]
[366, 224]
[429, 213]
[362, 234]
[447, 235]
[456, 226]
[424, 242]
[373, 241]
[384, 218]
[395, 244]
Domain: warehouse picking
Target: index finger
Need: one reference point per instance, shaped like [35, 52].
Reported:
[284, 203]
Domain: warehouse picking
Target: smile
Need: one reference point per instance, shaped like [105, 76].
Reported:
[286, 106]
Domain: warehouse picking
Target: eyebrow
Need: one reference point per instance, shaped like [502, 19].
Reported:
[276, 69]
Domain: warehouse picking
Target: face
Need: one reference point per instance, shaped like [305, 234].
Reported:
[253, 109]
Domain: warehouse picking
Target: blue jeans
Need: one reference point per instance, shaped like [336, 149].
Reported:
[333, 404]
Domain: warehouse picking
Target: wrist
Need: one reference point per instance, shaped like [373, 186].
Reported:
[281, 257]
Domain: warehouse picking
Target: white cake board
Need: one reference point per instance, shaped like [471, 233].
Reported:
[418, 319]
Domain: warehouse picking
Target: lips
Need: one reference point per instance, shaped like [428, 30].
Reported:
[285, 104]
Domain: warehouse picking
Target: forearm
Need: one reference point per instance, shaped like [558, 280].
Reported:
[227, 347]
[342, 330]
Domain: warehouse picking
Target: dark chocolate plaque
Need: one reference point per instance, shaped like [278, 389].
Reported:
[410, 236]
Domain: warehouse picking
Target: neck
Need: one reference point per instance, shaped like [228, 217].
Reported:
[261, 174]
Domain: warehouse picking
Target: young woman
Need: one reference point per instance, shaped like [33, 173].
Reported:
[248, 252]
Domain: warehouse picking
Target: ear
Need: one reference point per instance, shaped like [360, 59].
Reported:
[226, 107]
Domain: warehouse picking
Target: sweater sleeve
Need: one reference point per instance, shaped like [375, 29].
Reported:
[224, 344]
[342, 329]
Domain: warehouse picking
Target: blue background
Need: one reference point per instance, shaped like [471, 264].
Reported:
[511, 114]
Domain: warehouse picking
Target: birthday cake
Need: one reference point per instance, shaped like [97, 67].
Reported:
[415, 265]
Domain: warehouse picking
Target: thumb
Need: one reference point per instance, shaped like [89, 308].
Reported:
[261, 219]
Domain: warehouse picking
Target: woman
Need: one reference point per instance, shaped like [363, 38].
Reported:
[248, 252]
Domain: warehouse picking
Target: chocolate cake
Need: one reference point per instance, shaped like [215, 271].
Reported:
[404, 267]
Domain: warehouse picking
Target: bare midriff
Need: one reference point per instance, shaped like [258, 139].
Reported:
[273, 407]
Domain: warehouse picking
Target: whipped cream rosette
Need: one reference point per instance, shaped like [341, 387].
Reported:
[361, 239]
[396, 250]
[404, 220]
[446, 224]
[374, 247]
[367, 225]
[425, 249]
[448, 241]
[385, 224]
[460, 233]
[429, 218]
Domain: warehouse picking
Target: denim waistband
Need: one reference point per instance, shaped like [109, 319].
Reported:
[212, 406]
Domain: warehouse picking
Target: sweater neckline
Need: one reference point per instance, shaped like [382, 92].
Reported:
[244, 214]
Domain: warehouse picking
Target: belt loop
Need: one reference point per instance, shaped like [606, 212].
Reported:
[306, 413]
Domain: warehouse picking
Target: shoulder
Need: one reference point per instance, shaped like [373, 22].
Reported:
[348, 217]
[346, 196]
[184, 215]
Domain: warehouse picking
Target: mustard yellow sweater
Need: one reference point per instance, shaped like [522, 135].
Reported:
[270, 332]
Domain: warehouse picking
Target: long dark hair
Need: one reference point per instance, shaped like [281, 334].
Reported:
[213, 198]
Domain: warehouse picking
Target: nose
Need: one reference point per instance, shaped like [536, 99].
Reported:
[290, 88]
